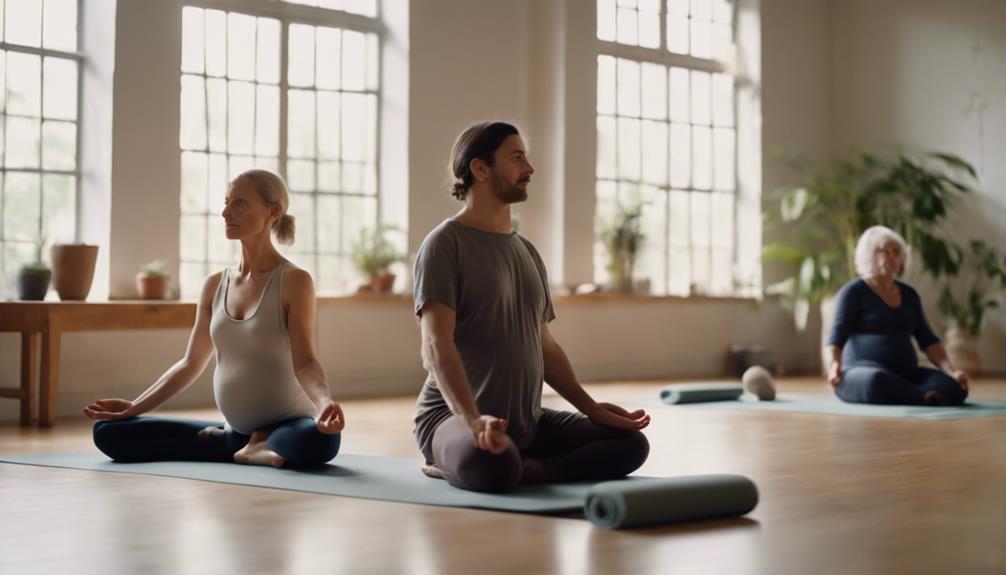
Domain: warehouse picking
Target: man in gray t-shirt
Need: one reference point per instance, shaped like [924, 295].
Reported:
[481, 293]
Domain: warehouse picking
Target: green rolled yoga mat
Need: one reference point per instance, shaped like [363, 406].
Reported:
[700, 392]
[391, 479]
[622, 504]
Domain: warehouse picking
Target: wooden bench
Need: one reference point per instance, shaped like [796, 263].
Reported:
[49, 320]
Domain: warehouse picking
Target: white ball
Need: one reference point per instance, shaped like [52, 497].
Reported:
[758, 381]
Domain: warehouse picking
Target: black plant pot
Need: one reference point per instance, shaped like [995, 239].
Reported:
[33, 284]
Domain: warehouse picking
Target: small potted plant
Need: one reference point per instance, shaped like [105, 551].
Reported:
[152, 280]
[975, 289]
[373, 255]
[33, 278]
[622, 238]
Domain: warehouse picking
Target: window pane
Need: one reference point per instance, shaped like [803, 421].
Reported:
[240, 43]
[329, 58]
[329, 176]
[216, 97]
[723, 218]
[216, 45]
[652, 260]
[193, 115]
[680, 276]
[352, 178]
[679, 212]
[329, 129]
[300, 175]
[240, 118]
[699, 222]
[681, 155]
[23, 22]
[373, 57]
[606, 144]
[24, 84]
[655, 153]
[301, 56]
[724, 160]
[59, 145]
[219, 183]
[328, 223]
[267, 120]
[680, 95]
[193, 36]
[354, 129]
[60, 23]
[60, 96]
[677, 34]
[723, 11]
[59, 208]
[722, 39]
[701, 39]
[22, 206]
[357, 214]
[605, 85]
[606, 20]
[362, 7]
[221, 250]
[302, 208]
[723, 100]
[628, 32]
[23, 142]
[300, 135]
[191, 276]
[702, 167]
[649, 30]
[701, 96]
[194, 175]
[628, 148]
[268, 51]
[353, 60]
[654, 91]
[628, 87]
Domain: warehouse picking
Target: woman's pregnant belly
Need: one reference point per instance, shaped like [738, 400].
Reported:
[253, 395]
[893, 351]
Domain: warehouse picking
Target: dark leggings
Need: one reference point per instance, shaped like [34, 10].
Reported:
[140, 439]
[570, 446]
[871, 382]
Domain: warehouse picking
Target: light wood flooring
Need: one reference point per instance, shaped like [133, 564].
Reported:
[839, 494]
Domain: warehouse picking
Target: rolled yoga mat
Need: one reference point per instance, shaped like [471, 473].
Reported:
[621, 504]
[700, 392]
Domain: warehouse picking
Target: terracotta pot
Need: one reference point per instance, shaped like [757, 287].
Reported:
[151, 286]
[32, 284]
[962, 348]
[73, 270]
[383, 283]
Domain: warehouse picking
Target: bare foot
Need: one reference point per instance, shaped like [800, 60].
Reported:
[932, 397]
[433, 471]
[534, 472]
[258, 452]
[211, 431]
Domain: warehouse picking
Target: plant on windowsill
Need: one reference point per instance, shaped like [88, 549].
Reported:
[966, 296]
[373, 255]
[622, 238]
[152, 280]
[823, 217]
[33, 278]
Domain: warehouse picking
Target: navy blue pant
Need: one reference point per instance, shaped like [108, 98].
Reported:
[140, 439]
[570, 446]
[871, 382]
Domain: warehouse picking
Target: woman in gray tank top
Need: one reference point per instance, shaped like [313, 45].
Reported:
[258, 319]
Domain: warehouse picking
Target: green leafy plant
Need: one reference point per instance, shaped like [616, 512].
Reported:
[622, 238]
[823, 217]
[976, 289]
[156, 268]
[372, 253]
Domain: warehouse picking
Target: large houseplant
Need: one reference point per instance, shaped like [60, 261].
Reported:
[967, 296]
[823, 216]
[622, 238]
[373, 254]
[33, 278]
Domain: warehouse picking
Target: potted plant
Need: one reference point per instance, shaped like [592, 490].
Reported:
[33, 278]
[823, 217]
[152, 280]
[373, 255]
[73, 270]
[622, 238]
[966, 297]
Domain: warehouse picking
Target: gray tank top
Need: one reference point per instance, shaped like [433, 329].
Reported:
[254, 383]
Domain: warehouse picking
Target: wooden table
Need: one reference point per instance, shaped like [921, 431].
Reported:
[51, 319]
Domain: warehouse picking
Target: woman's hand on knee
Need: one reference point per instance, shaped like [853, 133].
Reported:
[331, 420]
[110, 409]
[611, 415]
[490, 433]
[834, 374]
[962, 378]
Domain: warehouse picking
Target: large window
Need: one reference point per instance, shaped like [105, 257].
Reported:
[39, 72]
[666, 136]
[294, 92]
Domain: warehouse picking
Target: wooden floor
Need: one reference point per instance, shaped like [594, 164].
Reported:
[839, 494]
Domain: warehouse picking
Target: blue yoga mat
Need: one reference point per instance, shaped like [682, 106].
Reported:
[829, 404]
[638, 501]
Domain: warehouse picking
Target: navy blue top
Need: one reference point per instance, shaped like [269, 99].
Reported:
[869, 330]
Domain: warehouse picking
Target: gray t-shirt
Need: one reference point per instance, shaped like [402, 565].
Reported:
[498, 288]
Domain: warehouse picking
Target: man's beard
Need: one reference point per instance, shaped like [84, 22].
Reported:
[506, 192]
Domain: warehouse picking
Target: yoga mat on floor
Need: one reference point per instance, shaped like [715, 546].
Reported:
[829, 404]
[700, 392]
[620, 504]
[391, 479]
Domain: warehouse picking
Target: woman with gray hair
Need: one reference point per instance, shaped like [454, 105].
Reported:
[870, 345]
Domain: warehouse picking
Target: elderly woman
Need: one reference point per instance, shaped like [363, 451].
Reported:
[872, 358]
